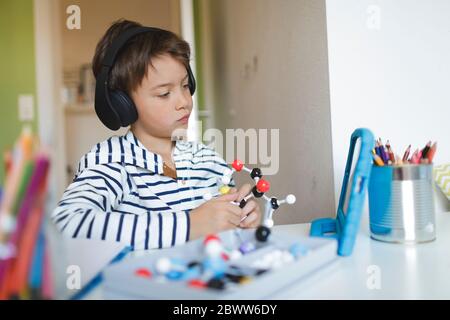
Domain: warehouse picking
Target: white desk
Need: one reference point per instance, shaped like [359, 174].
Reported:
[407, 271]
[419, 271]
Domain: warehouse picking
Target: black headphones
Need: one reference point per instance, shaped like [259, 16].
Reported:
[115, 108]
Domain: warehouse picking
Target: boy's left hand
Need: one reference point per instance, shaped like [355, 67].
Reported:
[251, 209]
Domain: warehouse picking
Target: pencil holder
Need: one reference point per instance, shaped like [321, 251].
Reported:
[401, 204]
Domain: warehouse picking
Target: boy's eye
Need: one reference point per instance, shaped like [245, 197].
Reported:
[164, 95]
[186, 86]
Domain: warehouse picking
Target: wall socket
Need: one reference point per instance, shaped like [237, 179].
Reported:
[26, 107]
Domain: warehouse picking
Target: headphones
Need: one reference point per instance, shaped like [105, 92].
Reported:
[115, 108]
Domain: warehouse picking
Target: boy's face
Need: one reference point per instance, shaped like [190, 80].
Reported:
[163, 100]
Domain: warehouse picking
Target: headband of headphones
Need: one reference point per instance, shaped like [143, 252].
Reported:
[114, 108]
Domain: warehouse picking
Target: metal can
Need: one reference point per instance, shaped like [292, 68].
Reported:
[401, 203]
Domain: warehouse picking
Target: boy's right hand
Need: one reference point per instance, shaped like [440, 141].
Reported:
[215, 215]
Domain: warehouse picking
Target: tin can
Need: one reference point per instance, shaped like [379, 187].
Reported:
[401, 203]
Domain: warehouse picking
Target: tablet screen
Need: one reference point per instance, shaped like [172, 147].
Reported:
[350, 182]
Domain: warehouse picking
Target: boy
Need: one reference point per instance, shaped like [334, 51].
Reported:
[144, 189]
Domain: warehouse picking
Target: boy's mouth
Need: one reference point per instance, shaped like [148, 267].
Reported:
[184, 119]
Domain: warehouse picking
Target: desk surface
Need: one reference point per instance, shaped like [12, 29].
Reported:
[376, 270]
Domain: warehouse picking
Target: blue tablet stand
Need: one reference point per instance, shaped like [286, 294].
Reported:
[344, 228]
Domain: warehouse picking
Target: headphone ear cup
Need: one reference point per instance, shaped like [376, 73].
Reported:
[124, 107]
[191, 81]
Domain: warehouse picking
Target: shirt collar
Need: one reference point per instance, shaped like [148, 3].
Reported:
[142, 157]
[154, 161]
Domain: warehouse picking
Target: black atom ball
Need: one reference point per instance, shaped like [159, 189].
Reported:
[262, 233]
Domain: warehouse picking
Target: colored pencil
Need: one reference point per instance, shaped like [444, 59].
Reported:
[415, 157]
[47, 280]
[406, 154]
[425, 150]
[390, 152]
[378, 161]
[384, 155]
[19, 264]
[431, 153]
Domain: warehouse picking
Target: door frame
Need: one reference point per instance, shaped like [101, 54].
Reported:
[47, 38]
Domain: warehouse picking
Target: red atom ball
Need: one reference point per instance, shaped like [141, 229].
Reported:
[263, 186]
[210, 237]
[237, 165]
[196, 283]
[143, 272]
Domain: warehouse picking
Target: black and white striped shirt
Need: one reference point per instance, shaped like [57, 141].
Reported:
[119, 193]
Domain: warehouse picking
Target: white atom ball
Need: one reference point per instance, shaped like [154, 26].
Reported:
[213, 248]
[163, 265]
[290, 199]
[268, 223]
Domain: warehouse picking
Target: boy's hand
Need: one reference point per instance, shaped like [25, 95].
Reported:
[216, 215]
[251, 209]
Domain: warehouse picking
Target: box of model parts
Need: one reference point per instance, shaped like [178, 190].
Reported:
[245, 269]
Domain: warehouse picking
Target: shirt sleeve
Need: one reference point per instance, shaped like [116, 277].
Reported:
[89, 209]
[221, 166]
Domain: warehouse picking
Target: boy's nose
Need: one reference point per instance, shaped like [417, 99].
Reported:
[184, 101]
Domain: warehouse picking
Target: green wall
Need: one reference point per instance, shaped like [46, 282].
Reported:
[17, 68]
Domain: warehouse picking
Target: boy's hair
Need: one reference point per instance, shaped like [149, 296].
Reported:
[130, 66]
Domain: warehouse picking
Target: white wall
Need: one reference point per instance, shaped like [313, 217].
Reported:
[389, 71]
[265, 66]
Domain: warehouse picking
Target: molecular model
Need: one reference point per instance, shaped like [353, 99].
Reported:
[215, 267]
[210, 269]
[261, 187]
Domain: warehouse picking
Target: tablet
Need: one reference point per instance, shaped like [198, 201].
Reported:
[344, 228]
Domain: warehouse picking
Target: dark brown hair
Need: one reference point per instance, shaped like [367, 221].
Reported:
[131, 63]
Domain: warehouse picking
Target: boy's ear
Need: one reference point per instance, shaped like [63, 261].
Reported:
[114, 108]
[125, 107]
[191, 81]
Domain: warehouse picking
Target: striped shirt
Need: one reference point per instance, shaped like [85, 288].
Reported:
[119, 193]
